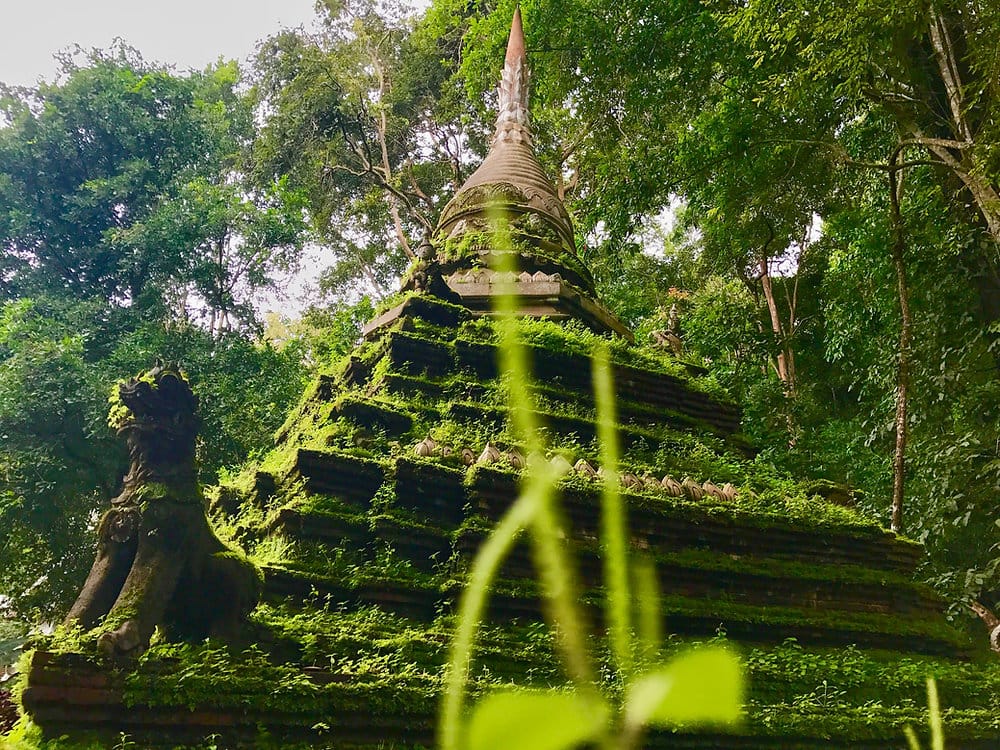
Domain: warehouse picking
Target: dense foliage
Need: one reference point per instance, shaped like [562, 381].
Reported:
[813, 186]
[774, 139]
[130, 232]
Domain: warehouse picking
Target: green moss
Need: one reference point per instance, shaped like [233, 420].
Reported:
[790, 673]
[392, 300]
[65, 639]
[281, 459]
[333, 571]
[790, 569]
[774, 617]
[388, 667]
[573, 337]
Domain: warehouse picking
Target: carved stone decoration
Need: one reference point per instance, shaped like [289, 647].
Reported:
[426, 447]
[159, 563]
[584, 468]
[990, 620]
[516, 459]
[728, 492]
[672, 487]
[426, 275]
[630, 481]
[490, 455]
[468, 456]
[692, 489]
[713, 489]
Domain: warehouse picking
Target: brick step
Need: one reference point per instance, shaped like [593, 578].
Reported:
[630, 413]
[573, 372]
[352, 479]
[685, 617]
[67, 695]
[440, 494]
[665, 526]
[897, 596]
[413, 355]
[393, 596]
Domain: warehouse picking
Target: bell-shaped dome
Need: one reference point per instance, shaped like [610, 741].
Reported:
[511, 182]
[511, 187]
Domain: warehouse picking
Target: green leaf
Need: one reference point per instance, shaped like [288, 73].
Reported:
[534, 720]
[704, 686]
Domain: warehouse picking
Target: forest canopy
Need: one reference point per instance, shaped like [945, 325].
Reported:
[813, 188]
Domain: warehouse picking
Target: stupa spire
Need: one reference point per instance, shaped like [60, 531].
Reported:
[511, 185]
[513, 122]
[510, 177]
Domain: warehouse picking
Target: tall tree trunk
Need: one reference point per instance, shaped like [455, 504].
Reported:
[784, 358]
[905, 341]
[991, 622]
[383, 135]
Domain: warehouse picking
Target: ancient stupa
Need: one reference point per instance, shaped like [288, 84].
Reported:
[397, 463]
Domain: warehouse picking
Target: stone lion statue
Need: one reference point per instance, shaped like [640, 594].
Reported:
[159, 563]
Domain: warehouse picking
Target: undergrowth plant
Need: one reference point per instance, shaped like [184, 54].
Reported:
[933, 719]
[699, 687]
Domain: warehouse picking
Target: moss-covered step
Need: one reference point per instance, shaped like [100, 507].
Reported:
[227, 499]
[747, 580]
[367, 412]
[573, 372]
[372, 701]
[352, 478]
[694, 617]
[416, 596]
[666, 524]
[431, 490]
[336, 528]
[791, 673]
[421, 596]
[630, 411]
[582, 428]
[883, 736]
[230, 702]
[412, 354]
[424, 545]
[394, 385]
[435, 312]
[415, 355]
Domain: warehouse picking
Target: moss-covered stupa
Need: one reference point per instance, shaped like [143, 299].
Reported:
[395, 466]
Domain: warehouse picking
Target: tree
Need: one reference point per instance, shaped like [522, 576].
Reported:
[126, 183]
[84, 159]
[360, 117]
[123, 191]
[56, 462]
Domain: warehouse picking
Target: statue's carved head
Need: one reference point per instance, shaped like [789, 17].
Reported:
[157, 414]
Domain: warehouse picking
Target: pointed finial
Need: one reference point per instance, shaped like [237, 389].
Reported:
[515, 42]
[512, 120]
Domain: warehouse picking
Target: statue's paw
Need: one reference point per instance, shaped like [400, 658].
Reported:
[121, 643]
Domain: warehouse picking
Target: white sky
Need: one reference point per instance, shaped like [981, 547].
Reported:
[187, 33]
